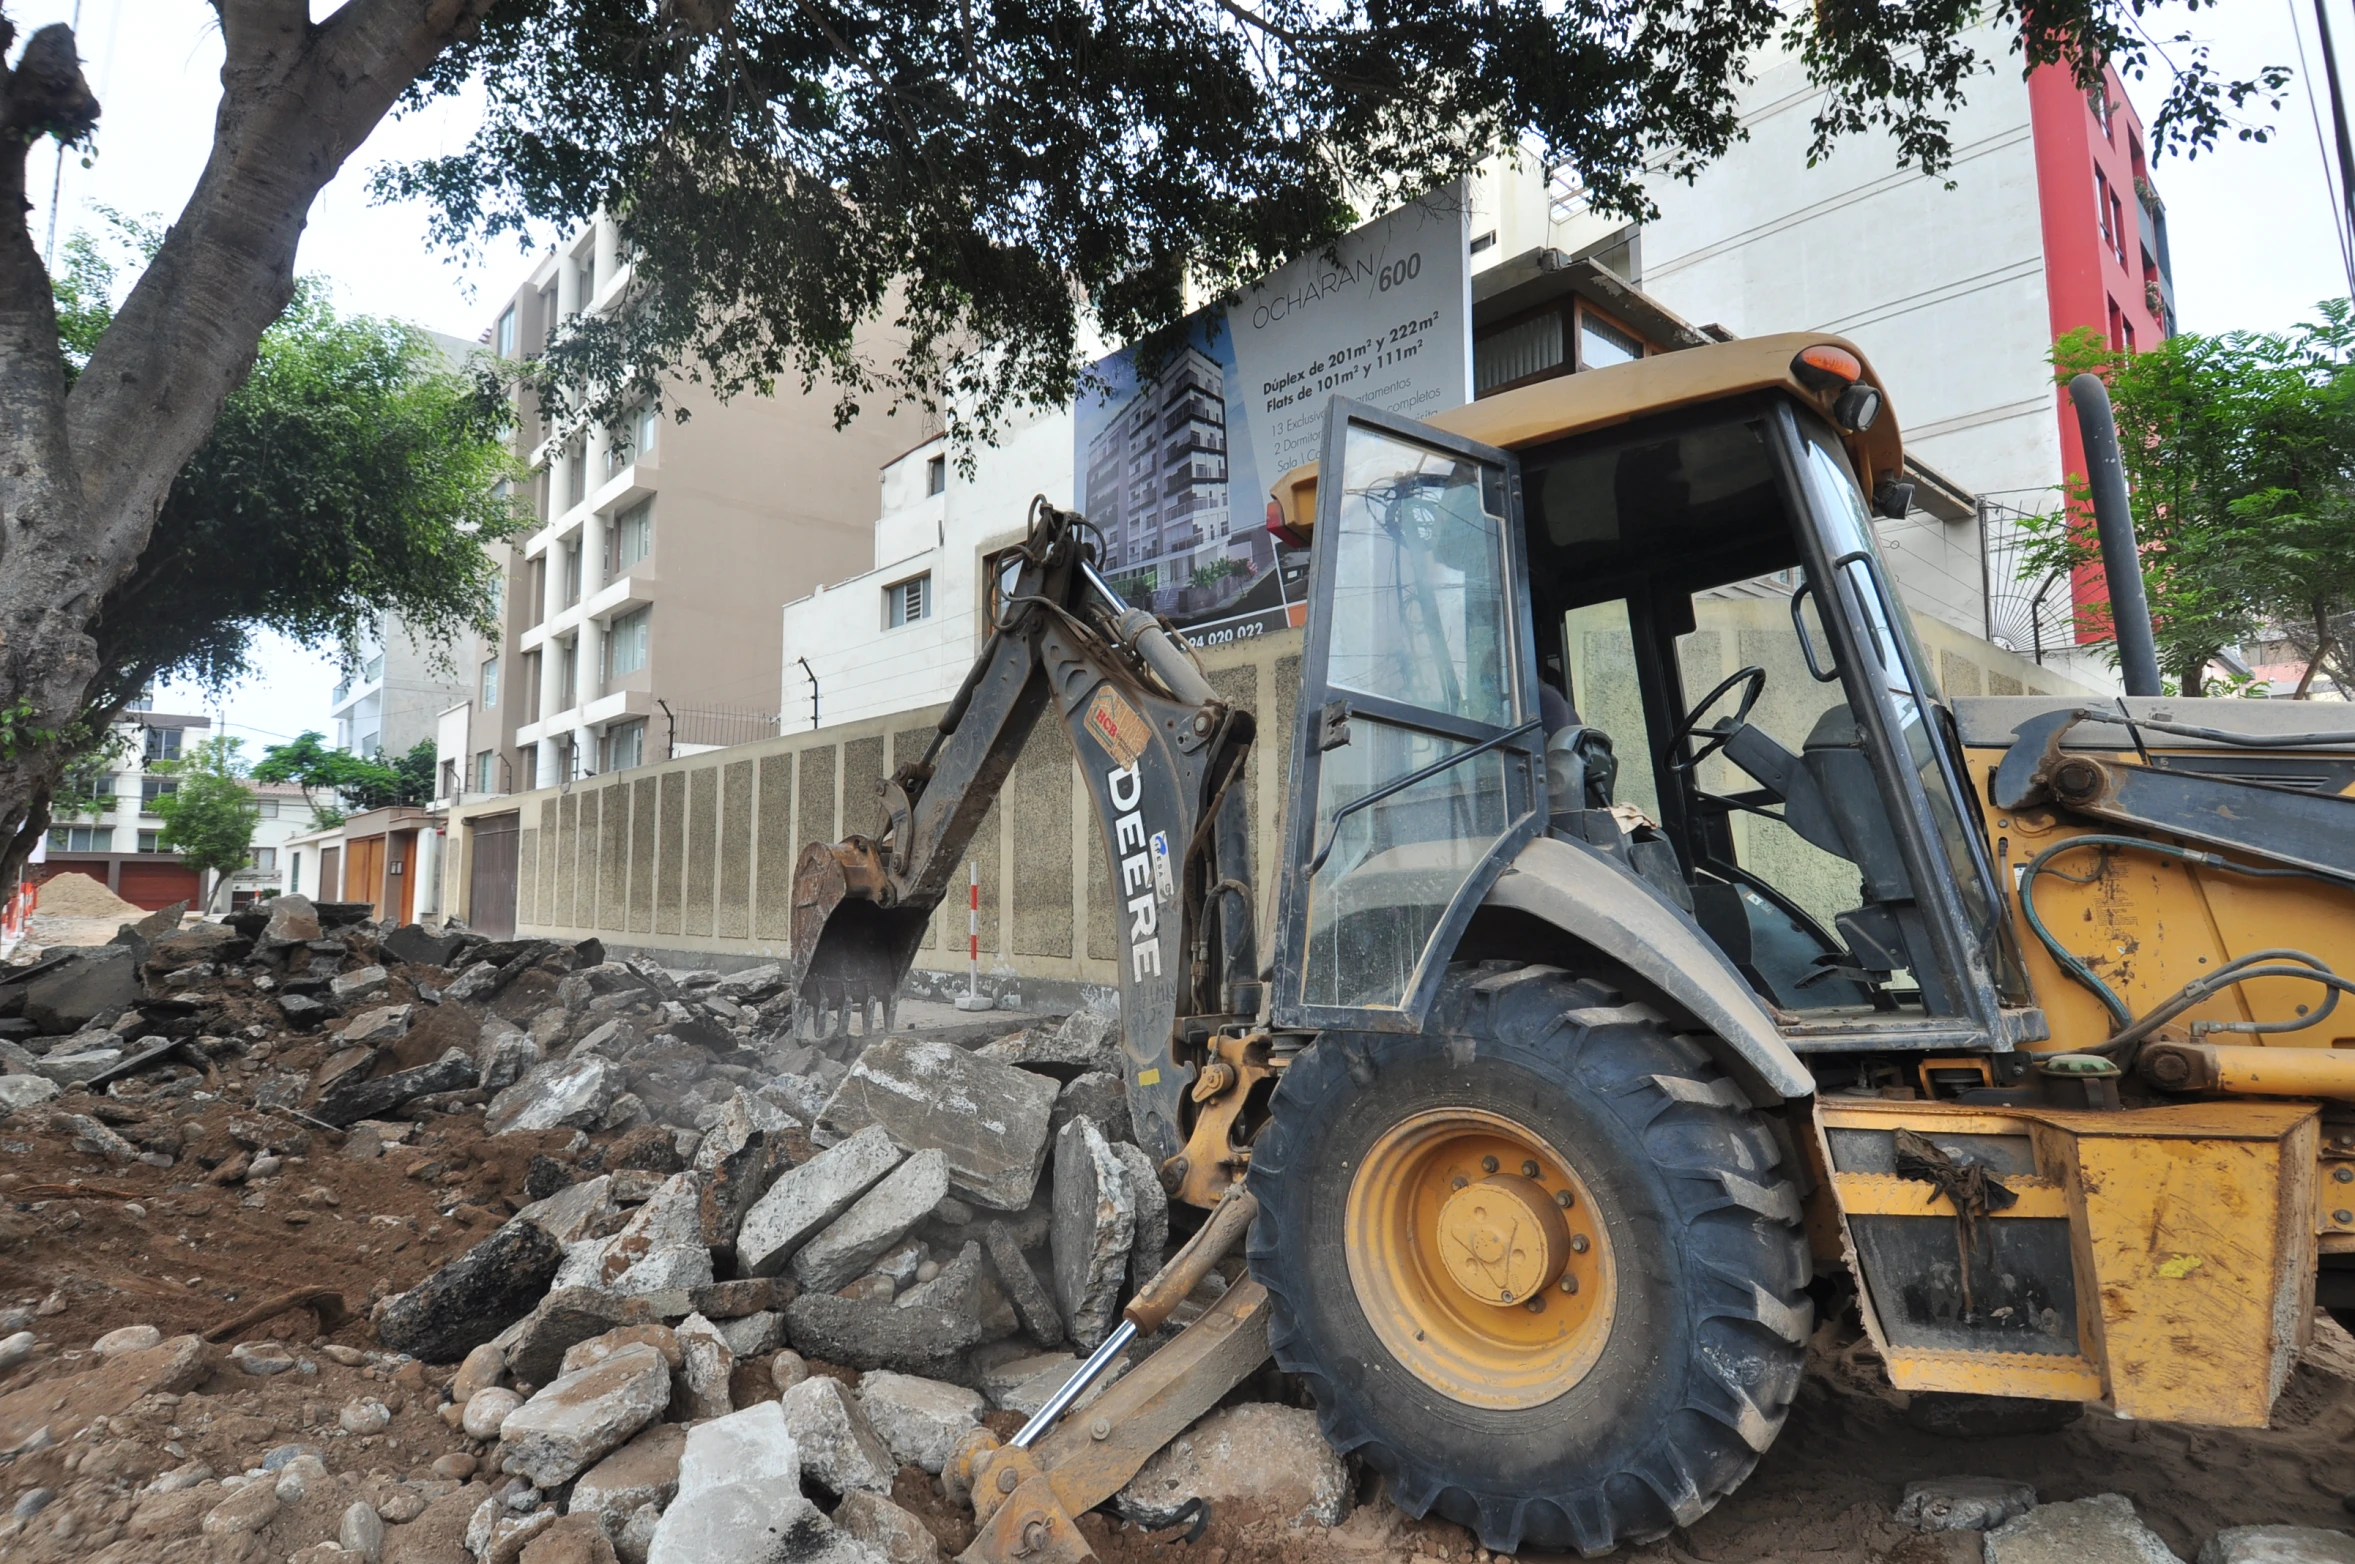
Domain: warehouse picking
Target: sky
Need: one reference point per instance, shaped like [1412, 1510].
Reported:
[2249, 223]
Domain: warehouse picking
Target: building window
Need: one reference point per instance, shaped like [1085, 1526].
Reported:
[86, 788]
[908, 601]
[625, 644]
[936, 476]
[572, 572]
[372, 671]
[449, 787]
[1517, 352]
[633, 535]
[82, 839]
[1602, 343]
[490, 684]
[151, 841]
[265, 809]
[153, 788]
[294, 874]
[645, 427]
[568, 673]
[371, 744]
[162, 744]
[266, 859]
[485, 763]
[504, 338]
[1486, 241]
[625, 746]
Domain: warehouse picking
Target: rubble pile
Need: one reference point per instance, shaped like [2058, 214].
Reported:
[697, 1212]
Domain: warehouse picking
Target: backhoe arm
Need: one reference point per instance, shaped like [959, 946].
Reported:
[1160, 754]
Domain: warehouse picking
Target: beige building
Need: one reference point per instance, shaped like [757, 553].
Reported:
[639, 616]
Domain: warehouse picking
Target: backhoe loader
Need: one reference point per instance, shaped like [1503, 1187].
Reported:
[1654, 953]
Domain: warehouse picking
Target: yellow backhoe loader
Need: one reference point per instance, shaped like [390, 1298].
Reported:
[1654, 947]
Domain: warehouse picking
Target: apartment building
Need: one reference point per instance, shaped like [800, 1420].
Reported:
[393, 692]
[1956, 291]
[639, 615]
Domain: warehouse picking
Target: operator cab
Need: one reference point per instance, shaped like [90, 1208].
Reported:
[1709, 681]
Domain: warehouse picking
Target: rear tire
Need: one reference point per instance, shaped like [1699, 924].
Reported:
[1675, 1359]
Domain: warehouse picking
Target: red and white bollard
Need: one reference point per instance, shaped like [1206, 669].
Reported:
[972, 999]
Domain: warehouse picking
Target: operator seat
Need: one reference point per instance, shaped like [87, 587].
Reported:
[1581, 771]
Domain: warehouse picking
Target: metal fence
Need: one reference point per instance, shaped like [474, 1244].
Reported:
[2028, 612]
[713, 727]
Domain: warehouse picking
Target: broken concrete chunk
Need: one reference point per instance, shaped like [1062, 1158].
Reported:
[2101, 1530]
[739, 1495]
[576, 1211]
[1100, 1095]
[1963, 1503]
[576, 1421]
[18, 1092]
[89, 984]
[734, 1123]
[554, 1094]
[733, 1183]
[750, 1335]
[1087, 1041]
[502, 1054]
[2278, 1545]
[1025, 1382]
[1028, 1295]
[1151, 1242]
[1271, 1459]
[859, 1237]
[920, 1420]
[883, 1526]
[839, 1447]
[357, 988]
[643, 1471]
[803, 1201]
[967, 1285]
[536, 1345]
[353, 1100]
[378, 1028]
[474, 1297]
[864, 1336]
[658, 1255]
[411, 944]
[706, 1361]
[991, 1120]
[294, 920]
[597, 1349]
[1095, 1222]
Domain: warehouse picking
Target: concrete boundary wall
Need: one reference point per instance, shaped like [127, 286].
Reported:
[692, 859]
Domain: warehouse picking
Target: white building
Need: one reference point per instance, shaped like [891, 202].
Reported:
[391, 698]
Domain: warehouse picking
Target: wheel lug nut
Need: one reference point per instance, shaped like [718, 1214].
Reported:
[1488, 1164]
[1460, 1181]
[1535, 1305]
[1578, 1243]
[1529, 1168]
[1564, 1199]
[1569, 1283]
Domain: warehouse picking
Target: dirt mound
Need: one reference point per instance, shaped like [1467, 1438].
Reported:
[74, 894]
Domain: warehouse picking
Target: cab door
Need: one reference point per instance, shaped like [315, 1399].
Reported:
[1418, 755]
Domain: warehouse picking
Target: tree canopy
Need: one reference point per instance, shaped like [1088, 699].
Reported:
[355, 470]
[354, 781]
[2240, 463]
[209, 818]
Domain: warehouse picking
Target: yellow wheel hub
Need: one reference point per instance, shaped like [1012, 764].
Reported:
[1479, 1258]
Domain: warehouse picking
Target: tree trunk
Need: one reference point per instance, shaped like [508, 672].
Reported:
[2195, 675]
[83, 475]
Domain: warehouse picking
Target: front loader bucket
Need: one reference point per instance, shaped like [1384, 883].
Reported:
[850, 952]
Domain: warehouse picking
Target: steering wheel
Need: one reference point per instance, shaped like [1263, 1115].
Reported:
[1753, 680]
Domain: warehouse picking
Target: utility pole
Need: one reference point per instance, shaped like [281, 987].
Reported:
[2338, 119]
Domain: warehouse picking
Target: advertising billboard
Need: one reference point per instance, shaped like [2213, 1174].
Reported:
[1175, 468]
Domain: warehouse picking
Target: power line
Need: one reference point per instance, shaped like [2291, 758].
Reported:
[2338, 117]
[2330, 191]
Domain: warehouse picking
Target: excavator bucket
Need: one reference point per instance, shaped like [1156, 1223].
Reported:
[849, 950]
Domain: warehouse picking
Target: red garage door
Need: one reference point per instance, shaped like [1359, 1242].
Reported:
[153, 885]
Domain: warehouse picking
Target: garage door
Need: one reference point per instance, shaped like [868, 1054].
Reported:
[490, 886]
[153, 885]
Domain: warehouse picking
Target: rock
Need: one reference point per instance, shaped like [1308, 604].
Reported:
[362, 1532]
[357, 988]
[503, 1054]
[967, 1285]
[706, 1363]
[568, 1316]
[735, 1182]
[1150, 1245]
[474, 1297]
[412, 945]
[455, 1467]
[2278, 1545]
[247, 1510]
[77, 1069]
[658, 1254]
[131, 1338]
[299, 1478]
[351, 1101]
[597, 1349]
[991, 1120]
[261, 1359]
[886, 1528]
[304, 1013]
[1024, 1384]
[575, 1212]
[93, 1137]
[805, 1200]
[644, 1471]
[1097, 1095]
[510, 1535]
[2099, 1530]
[18, 1092]
[919, 1420]
[366, 1415]
[839, 1447]
[786, 1370]
[576, 1421]
[378, 1028]
[734, 1123]
[736, 1299]
[1271, 1458]
[1023, 1289]
[1963, 1503]
[574, 1539]
[880, 1335]
[739, 1495]
[635, 1540]
[1086, 1042]
[478, 984]
[15, 1349]
[856, 1239]
[294, 920]
[89, 984]
[1095, 1221]
[486, 1409]
[556, 1093]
